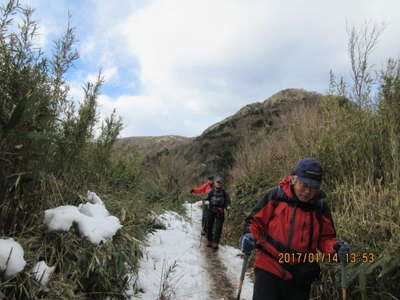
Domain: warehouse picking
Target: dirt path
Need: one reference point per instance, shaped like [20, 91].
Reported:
[221, 287]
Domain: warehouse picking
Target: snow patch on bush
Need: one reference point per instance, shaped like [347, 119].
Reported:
[42, 272]
[11, 257]
[92, 218]
[61, 218]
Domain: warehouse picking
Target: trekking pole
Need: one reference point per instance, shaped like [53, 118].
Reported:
[191, 218]
[202, 228]
[343, 281]
[246, 258]
[201, 237]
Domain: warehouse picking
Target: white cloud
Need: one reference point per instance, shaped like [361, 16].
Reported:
[76, 91]
[201, 61]
[211, 57]
[87, 47]
[150, 116]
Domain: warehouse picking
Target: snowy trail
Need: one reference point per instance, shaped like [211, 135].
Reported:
[198, 273]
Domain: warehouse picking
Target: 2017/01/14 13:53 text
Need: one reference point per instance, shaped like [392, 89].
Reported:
[352, 257]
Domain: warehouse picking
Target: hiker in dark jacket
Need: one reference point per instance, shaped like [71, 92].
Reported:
[204, 189]
[291, 218]
[218, 203]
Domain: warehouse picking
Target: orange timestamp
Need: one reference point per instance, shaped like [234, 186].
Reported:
[352, 257]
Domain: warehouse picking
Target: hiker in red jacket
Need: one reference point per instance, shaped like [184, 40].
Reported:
[287, 227]
[204, 189]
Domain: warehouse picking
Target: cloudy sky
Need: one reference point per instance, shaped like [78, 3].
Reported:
[179, 66]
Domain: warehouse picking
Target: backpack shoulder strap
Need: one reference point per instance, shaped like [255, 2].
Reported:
[320, 206]
[277, 191]
[212, 191]
[278, 195]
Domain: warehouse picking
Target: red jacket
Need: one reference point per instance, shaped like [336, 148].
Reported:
[280, 223]
[204, 189]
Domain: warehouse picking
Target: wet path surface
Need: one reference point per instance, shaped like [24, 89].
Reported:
[221, 287]
[223, 267]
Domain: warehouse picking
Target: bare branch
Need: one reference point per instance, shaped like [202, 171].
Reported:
[361, 43]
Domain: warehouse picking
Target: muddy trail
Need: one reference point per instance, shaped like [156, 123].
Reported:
[221, 286]
[223, 283]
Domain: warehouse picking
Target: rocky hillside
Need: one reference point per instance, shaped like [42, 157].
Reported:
[212, 151]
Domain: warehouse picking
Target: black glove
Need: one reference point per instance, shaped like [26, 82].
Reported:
[247, 243]
[191, 191]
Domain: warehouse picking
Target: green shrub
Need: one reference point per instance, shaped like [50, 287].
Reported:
[50, 157]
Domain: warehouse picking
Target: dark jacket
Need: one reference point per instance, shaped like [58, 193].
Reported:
[218, 198]
[280, 223]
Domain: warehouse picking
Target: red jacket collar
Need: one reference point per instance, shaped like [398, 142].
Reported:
[286, 186]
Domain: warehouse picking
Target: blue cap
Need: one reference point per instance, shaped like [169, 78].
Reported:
[308, 170]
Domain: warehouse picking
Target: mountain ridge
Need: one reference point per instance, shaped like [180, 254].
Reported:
[213, 148]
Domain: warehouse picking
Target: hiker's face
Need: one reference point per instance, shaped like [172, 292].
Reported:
[218, 184]
[305, 192]
[210, 181]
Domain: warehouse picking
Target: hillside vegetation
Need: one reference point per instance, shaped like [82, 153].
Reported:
[49, 157]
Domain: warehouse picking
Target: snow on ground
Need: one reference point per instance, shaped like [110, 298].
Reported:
[93, 219]
[11, 257]
[233, 263]
[179, 246]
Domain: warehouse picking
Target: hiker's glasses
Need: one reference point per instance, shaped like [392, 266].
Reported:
[311, 187]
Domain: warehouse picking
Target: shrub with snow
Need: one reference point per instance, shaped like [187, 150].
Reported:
[11, 257]
[92, 218]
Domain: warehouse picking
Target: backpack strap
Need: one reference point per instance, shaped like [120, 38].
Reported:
[320, 206]
[310, 240]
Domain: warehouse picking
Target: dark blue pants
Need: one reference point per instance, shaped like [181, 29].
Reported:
[270, 287]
